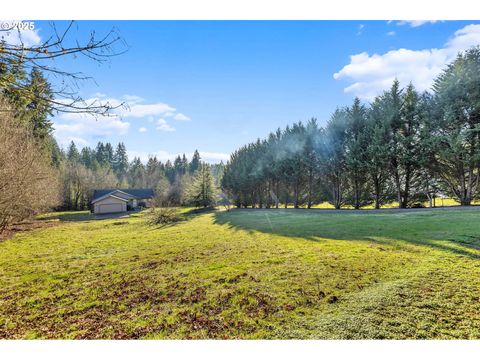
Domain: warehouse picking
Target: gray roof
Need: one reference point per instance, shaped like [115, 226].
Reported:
[137, 193]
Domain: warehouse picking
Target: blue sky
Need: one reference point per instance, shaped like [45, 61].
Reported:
[214, 86]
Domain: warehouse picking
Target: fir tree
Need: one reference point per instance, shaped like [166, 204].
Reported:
[195, 163]
[202, 191]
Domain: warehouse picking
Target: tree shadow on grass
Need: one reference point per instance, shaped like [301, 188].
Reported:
[428, 229]
[198, 211]
[68, 216]
[84, 216]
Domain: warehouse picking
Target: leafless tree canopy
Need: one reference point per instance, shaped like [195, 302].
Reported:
[27, 182]
[78, 184]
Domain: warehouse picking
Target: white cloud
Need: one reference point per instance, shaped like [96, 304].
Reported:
[134, 106]
[162, 155]
[18, 37]
[143, 155]
[162, 125]
[77, 125]
[416, 23]
[465, 38]
[132, 99]
[391, 33]
[181, 117]
[80, 142]
[70, 125]
[84, 126]
[371, 74]
[214, 156]
[143, 110]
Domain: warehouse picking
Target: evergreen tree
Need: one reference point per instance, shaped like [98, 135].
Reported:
[456, 130]
[170, 171]
[72, 153]
[153, 172]
[31, 99]
[120, 162]
[404, 145]
[333, 156]
[38, 104]
[202, 191]
[109, 155]
[177, 166]
[195, 163]
[377, 159]
[57, 155]
[136, 174]
[101, 154]
[184, 166]
[86, 157]
[217, 172]
[311, 156]
[355, 152]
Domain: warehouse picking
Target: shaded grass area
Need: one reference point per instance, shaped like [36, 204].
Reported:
[67, 216]
[247, 274]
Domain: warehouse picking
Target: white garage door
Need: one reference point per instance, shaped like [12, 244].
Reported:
[110, 208]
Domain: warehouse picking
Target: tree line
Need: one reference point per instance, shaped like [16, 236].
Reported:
[83, 171]
[404, 146]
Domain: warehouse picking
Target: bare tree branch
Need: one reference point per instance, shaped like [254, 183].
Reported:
[43, 56]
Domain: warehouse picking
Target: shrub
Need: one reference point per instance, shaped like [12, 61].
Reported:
[163, 215]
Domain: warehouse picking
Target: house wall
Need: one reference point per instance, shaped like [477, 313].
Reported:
[109, 205]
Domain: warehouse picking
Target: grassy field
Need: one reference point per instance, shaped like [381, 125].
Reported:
[246, 274]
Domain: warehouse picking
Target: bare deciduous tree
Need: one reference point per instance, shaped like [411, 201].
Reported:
[27, 182]
[79, 183]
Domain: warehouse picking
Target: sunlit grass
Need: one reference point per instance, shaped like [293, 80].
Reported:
[246, 274]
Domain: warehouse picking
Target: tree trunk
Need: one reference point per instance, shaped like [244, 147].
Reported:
[336, 195]
[376, 183]
[295, 194]
[356, 194]
[399, 188]
[277, 188]
[310, 188]
[269, 195]
[286, 196]
[408, 175]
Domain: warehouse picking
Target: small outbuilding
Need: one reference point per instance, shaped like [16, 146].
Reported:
[106, 201]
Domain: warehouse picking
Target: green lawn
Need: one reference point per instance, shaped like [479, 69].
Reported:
[246, 274]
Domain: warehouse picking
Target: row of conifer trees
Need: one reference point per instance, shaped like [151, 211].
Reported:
[404, 146]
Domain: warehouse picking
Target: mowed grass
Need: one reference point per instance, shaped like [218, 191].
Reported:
[247, 274]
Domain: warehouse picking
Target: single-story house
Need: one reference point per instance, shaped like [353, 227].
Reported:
[120, 200]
